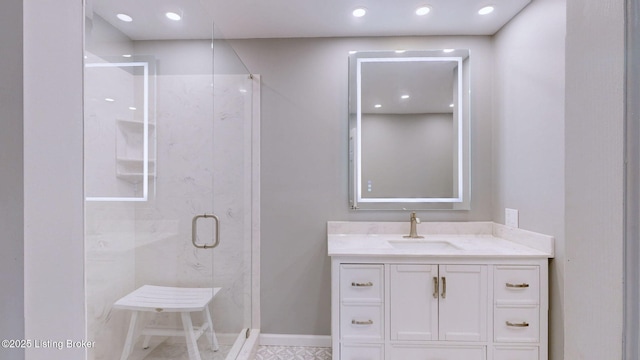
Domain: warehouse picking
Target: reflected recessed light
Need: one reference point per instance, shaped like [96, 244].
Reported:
[173, 16]
[377, 106]
[448, 50]
[126, 55]
[243, 90]
[109, 99]
[352, 52]
[450, 105]
[124, 17]
[132, 108]
[423, 10]
[404, 96]
[486, 10]
[359, 12]
[400, 51]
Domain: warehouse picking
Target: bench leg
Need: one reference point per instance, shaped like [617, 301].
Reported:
[128, 343]
[192, 344]
[147, 340]
[211, 334]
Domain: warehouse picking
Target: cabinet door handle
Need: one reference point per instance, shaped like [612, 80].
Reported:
[444, 287]
[362, 284]
[436, 288]
[357, 322]
[518, 286]
[522, 324]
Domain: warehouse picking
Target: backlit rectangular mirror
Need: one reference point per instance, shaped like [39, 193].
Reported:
[409, 130]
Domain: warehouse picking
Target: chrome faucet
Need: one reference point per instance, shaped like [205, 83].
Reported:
[413, 234]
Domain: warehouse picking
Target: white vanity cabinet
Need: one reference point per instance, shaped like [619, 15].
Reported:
[472, 291]
[411, 308]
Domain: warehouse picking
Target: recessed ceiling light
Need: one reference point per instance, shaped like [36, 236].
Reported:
[448, 50]
[423, 10]
[352, 52]
[400, 51]
[126, 55]
[450, 105]
[173, 16]
[404, 96]
[124, 17]
[486, 10]
[359, 12]
[377, 106]
[109, 99]
[132, 108]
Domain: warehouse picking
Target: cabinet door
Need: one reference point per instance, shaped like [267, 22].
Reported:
[463, 303]
[413, 302]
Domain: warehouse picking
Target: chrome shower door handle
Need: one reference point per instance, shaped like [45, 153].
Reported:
[194, 231]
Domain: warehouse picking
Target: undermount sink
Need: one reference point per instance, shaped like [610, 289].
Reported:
[423, 244]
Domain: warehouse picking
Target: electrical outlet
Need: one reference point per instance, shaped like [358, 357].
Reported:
[511, 217]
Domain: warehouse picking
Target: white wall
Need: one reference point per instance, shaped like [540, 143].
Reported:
[11, 178]
[304, 117]
[53, 189]
[528, 135]
[594, 139]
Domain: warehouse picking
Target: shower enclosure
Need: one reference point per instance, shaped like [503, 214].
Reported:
[171, 139]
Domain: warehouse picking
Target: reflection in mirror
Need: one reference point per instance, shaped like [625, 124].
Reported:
[119, 137]
[409, 130]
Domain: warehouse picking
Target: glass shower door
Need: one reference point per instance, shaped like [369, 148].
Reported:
[168, 145]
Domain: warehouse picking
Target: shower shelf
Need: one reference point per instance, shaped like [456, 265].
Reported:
[129, 148]
[134, 125]
[131, 169]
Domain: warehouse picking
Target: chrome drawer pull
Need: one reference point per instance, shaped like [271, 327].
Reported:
[522, 324]
[518, 286]
[362, 284]
[356, 322]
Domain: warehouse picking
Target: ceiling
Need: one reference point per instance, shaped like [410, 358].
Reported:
[238, 19]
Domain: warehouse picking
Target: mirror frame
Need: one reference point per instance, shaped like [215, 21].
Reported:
[461, 197]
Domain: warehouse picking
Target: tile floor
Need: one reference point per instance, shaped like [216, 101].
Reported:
[172, 351]
[293, 353]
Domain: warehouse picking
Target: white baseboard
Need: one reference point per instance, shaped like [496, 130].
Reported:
[295, 340]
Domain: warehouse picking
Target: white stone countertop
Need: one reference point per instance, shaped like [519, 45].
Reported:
[441, 239]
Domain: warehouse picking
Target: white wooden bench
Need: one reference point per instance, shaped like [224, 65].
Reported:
[158, 299]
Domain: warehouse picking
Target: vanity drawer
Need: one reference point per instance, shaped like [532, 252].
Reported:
[515, 353]
[516, 284]
[517, 323]
[362, 352]
[457, 352]
[362, 322]
[361, 283]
